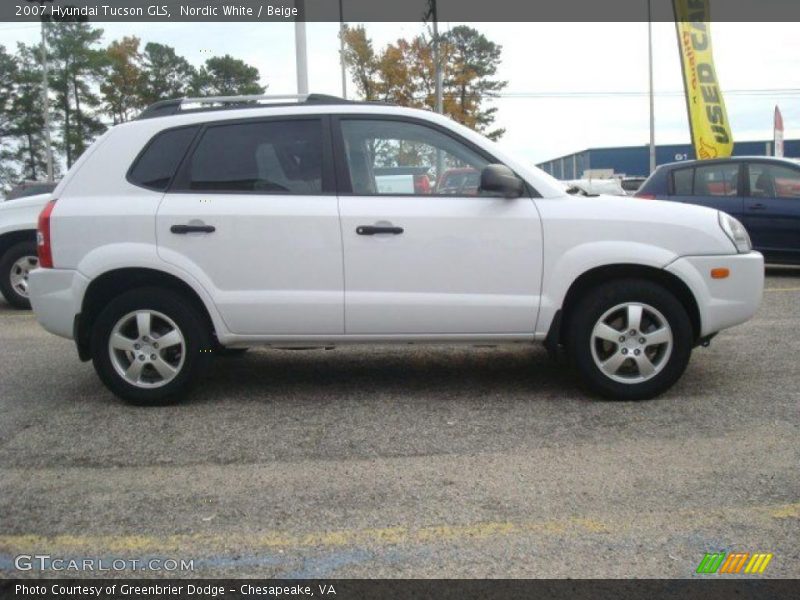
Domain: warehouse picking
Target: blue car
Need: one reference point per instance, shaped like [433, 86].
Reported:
[762, 192]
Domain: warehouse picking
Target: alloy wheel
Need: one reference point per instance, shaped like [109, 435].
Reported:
[631, 342]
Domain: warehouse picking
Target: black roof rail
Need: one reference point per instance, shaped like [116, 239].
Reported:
[209, 103]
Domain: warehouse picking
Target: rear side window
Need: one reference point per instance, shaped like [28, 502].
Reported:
[682, 182]
[268, 157]
[157, 164]
[716, 180]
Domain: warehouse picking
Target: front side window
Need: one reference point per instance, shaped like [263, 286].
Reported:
[400, 158]
[156, 165]
[773, 181]
[268, 157]
[716, 180]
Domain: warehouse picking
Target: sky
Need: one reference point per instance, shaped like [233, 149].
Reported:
[546, 59]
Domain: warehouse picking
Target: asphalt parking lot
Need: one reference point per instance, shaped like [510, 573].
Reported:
[410, 462]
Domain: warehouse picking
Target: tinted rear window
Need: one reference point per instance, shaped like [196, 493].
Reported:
[156, 165]
[716, 180]
[270, 157]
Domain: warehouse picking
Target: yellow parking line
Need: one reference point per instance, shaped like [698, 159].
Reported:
[385, 536]
[788, 289]
[274, 540]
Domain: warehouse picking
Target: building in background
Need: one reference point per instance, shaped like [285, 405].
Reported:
[634, 161]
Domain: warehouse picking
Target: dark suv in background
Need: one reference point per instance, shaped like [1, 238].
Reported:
[762, 192]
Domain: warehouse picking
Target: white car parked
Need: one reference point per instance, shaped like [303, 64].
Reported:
[230, 222]
[18, 246]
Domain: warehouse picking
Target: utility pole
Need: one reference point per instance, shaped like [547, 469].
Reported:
[341, 50]
[437, 59]
[652, 98]
[46, 107]
[300, 48]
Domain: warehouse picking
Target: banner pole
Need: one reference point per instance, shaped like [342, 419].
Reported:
[652, 97]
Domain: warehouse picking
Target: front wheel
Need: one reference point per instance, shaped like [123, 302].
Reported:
[148, 344]
[629, 339]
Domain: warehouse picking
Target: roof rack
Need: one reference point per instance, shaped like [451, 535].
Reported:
[208, 103]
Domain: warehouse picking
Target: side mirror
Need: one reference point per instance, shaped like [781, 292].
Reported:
[499, 178]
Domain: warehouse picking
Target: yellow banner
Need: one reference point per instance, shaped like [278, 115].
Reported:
[708, 119]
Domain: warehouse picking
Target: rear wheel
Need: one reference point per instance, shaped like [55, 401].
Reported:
[629, 339]
[15, 266]
[148, 344]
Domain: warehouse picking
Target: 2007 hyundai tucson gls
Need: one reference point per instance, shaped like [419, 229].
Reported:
[231, 222]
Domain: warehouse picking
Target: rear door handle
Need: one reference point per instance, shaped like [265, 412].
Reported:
[181, 229]
[757, 206]
[373, 229]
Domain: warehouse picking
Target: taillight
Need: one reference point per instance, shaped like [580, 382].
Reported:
[43, 246]
[645, 196]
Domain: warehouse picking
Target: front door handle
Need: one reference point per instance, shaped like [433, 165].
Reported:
[374, 229]
[757, 206]
[181, 229]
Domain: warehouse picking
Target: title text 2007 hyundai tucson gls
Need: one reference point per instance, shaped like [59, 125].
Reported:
[226, 223]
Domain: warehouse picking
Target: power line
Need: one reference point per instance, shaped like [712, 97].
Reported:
[636, 94]
[18, 27]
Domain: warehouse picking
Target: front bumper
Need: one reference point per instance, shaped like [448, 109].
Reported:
[723, 303]
[56, 296]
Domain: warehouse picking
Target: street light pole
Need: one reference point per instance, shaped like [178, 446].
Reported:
[652, 98]
[300, 48]
[46, 107]
[341, 50]
[437, 59]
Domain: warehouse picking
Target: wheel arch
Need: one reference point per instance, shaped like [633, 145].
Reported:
[602, 274]
[111, 284]
[12, 238]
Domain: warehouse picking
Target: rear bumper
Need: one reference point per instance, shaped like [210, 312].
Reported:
[56, 297]
[725, 302]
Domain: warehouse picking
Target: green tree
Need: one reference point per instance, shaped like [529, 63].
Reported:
[404, 73]
[8, 73]
[77, 67]
[227, 76]
[122, 86]
[166, 75]
[472, 62]
[27, 125]
[360, 58]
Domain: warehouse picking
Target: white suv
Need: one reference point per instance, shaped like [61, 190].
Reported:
[230, 222]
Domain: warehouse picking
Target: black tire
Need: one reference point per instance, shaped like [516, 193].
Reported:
[12, 255]
[196, 335]
[601, 299]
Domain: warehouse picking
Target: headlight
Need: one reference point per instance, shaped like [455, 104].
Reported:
[736, 232]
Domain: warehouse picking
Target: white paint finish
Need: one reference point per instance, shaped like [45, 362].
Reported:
[273, 265]
[462, 265]
[81, 225]
[725, 302]
[582, 233]
[56, 298]
[22, 214]
[121, 255]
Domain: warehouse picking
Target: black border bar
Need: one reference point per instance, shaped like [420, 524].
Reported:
[387, 10]
[706, 588]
